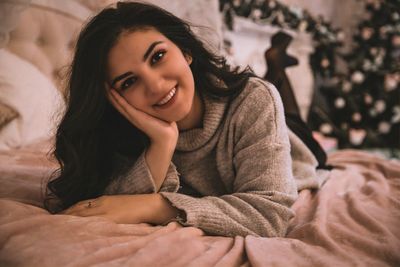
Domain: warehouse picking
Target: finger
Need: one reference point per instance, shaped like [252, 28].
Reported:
[113, 99]
[135, 116]
[125, 108]
[81, 206]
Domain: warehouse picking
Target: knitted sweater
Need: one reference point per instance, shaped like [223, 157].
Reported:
[239, 174]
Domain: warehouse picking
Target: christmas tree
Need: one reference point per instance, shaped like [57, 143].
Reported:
[364, 103]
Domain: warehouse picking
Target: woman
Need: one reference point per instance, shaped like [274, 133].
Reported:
[159, 129]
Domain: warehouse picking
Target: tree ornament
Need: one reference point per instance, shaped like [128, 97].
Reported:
[356, 117]
[368, 99]
[325, 63]
[372, 112]
[391, 82]
[383, 32]
[379, 60]
[357, 136]
[366, 33]
[396, 40]
[380, 106]
[367, 65]
[340, 36]
[373, 51]
[325, 128]
[256, 14]
[272, 4]
[303, 25]
[395, 16]
[340, 103]
[377, 5]
[384, 127]
[396, 115]
[357, 77]
[347, 86]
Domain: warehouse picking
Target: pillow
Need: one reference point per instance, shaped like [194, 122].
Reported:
[7, 114]
[33, 96]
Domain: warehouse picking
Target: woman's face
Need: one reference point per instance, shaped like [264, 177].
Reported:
[152, 74]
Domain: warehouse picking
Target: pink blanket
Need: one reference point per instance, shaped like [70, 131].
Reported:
[353, 220]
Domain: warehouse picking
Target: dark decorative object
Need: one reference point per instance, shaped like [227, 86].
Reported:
[277, 60]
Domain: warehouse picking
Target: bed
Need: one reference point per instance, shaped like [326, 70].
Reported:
[352, 220]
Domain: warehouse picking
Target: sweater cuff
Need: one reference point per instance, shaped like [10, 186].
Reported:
[171, 182]
[194, 212]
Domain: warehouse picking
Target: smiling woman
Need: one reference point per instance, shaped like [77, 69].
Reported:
[153, 75]
[158, 128]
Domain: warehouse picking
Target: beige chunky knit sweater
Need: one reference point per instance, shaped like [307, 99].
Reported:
[239, 174]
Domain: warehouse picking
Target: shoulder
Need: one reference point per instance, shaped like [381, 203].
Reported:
[258, 94]
[259, 104]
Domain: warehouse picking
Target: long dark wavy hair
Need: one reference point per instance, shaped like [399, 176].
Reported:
[92, 133]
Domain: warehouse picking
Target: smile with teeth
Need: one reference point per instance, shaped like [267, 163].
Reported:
[167, 97]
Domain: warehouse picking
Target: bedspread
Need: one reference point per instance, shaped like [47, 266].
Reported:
[353, 220]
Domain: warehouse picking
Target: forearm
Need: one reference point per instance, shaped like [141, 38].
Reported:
[158, 158]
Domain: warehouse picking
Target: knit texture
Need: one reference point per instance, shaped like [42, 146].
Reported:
[239, 174]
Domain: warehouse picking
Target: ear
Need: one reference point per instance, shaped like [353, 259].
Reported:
[188, 58]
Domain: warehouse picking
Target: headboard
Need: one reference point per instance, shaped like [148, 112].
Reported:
[45, 34]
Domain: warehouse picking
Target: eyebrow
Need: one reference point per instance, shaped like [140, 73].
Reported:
[120, 77]
[151, 47]
[146, 55]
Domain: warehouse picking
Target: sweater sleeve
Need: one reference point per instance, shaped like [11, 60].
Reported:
[137, 179]
[263, 189]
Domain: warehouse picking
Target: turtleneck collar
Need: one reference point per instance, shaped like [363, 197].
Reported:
[193, 139]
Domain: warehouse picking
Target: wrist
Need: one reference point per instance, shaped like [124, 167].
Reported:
[162, 210]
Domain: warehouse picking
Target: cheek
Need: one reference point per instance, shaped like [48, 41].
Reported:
[134, 99]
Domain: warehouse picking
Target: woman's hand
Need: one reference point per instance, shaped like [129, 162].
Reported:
[163, 137]
[127, 209]
[157, 130]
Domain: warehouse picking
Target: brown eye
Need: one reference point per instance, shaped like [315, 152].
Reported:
[128, 83]
[157, 56]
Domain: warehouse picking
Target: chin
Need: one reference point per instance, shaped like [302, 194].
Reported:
[183, 114]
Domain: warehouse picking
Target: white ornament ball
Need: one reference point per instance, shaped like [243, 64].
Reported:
[384, 127]
[357, 136]
[347, 86]
[341, 36]
[272, 4]
[325, 128]
[340, 103]
[325, 63]
[373, 51]
[380, 106]
[257, 14]
[357, 77]
[390, 83]
[366, 33]
[368, 99]
[367, 64]
[379, 60]
[356, 117]
[396, 40]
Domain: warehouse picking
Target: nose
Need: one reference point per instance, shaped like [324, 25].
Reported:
[154, 83]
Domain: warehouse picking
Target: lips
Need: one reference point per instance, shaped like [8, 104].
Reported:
[167, 98]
